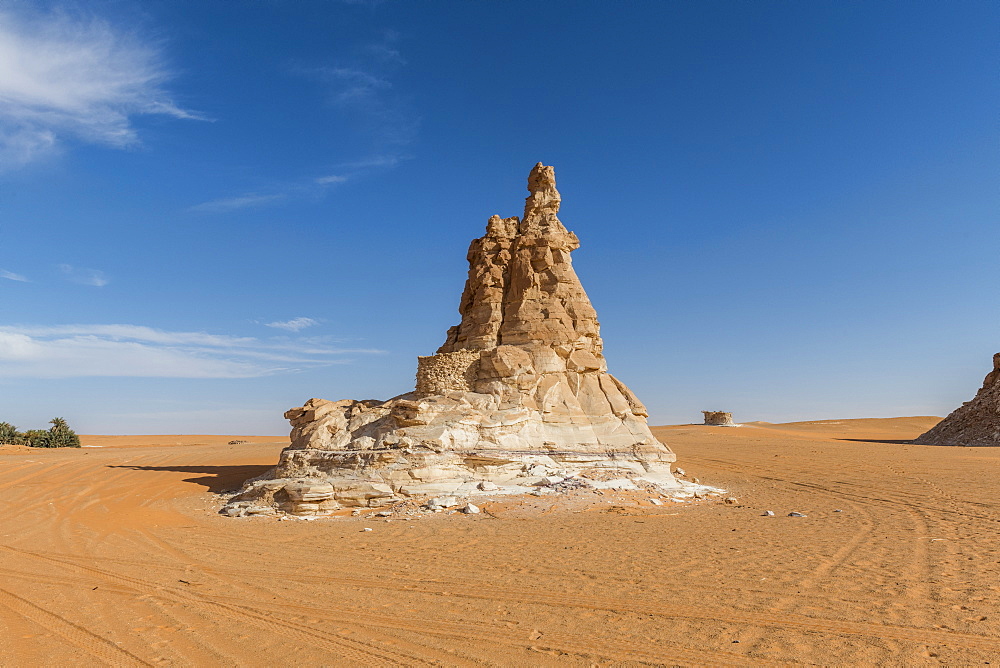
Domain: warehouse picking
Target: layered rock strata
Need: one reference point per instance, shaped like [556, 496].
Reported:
[975, 422]
[518, 396]
[719, 418]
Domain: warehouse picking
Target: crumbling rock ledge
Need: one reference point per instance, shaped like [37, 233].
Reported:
[519, 395]
[975, 422]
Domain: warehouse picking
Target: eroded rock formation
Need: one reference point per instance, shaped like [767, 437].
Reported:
[975, 422]
[518, 396]
[718, 418]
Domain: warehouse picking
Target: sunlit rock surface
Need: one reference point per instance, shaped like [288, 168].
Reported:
[518, 396]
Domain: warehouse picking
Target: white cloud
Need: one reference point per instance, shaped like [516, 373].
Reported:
[64, 351]
[363, 92]
[375, 161]
[84, 276]
[385, 53]
[355, 87]
[74, 76]
[11, 276]
[293, 325]
[234, 203]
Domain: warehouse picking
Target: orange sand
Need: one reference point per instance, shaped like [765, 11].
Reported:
[115, 555]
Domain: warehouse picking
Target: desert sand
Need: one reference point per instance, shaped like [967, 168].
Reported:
[116, 555]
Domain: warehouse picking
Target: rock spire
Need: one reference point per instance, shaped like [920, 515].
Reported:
[975, 422]
[518, 393]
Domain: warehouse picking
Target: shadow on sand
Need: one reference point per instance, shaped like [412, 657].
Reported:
[878, 440]
[219, 478]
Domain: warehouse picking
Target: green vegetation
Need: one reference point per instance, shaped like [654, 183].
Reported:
[59, 435]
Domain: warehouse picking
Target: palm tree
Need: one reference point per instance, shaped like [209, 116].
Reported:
[61, 436]
[9, 434]
[38, 438]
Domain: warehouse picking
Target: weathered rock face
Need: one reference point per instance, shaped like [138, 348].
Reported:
[719, 418]
[518, 395]
[975, 422]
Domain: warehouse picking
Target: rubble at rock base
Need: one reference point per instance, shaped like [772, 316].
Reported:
[471, 501]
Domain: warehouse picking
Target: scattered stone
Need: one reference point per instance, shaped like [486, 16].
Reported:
[975, 422]
[656, 502]
[838, 511]
[367, 529]
[470, 509]
[679, 471]
[550, 480]
[768, 513]
[237, 442]
[617, 483]
[731, 501]
[263, 510]
[383, 513]
[487, 486]
[442, 502]
[696, 481]
[519, 389]
[795, 514]
[355, 513]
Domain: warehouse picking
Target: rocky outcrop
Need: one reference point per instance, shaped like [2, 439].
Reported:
[975, 422]
[719, 418]
[518, 396]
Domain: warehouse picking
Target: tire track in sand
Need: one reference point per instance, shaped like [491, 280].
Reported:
[76, 635]
[479, 590]
[332, 642]
[270, 616]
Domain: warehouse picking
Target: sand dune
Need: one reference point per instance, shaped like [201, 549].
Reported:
[114, 555]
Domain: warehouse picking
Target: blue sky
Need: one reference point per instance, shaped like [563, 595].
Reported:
[212, 211]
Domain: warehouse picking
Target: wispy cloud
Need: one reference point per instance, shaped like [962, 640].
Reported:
[132, 350]
[84, 276]
[347, 171]
[355, 87]
[384, 51]
[235, 203]
[365, 90]
[361, 89]
[293, 325]
[11, 276]
[375, 161]
[367, 97]
[74, 76]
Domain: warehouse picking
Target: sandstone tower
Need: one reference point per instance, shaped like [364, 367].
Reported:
[975, 422]
[518, 394]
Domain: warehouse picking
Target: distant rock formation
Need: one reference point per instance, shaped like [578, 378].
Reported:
[718, 419]
[518, 396]
[975, 422]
